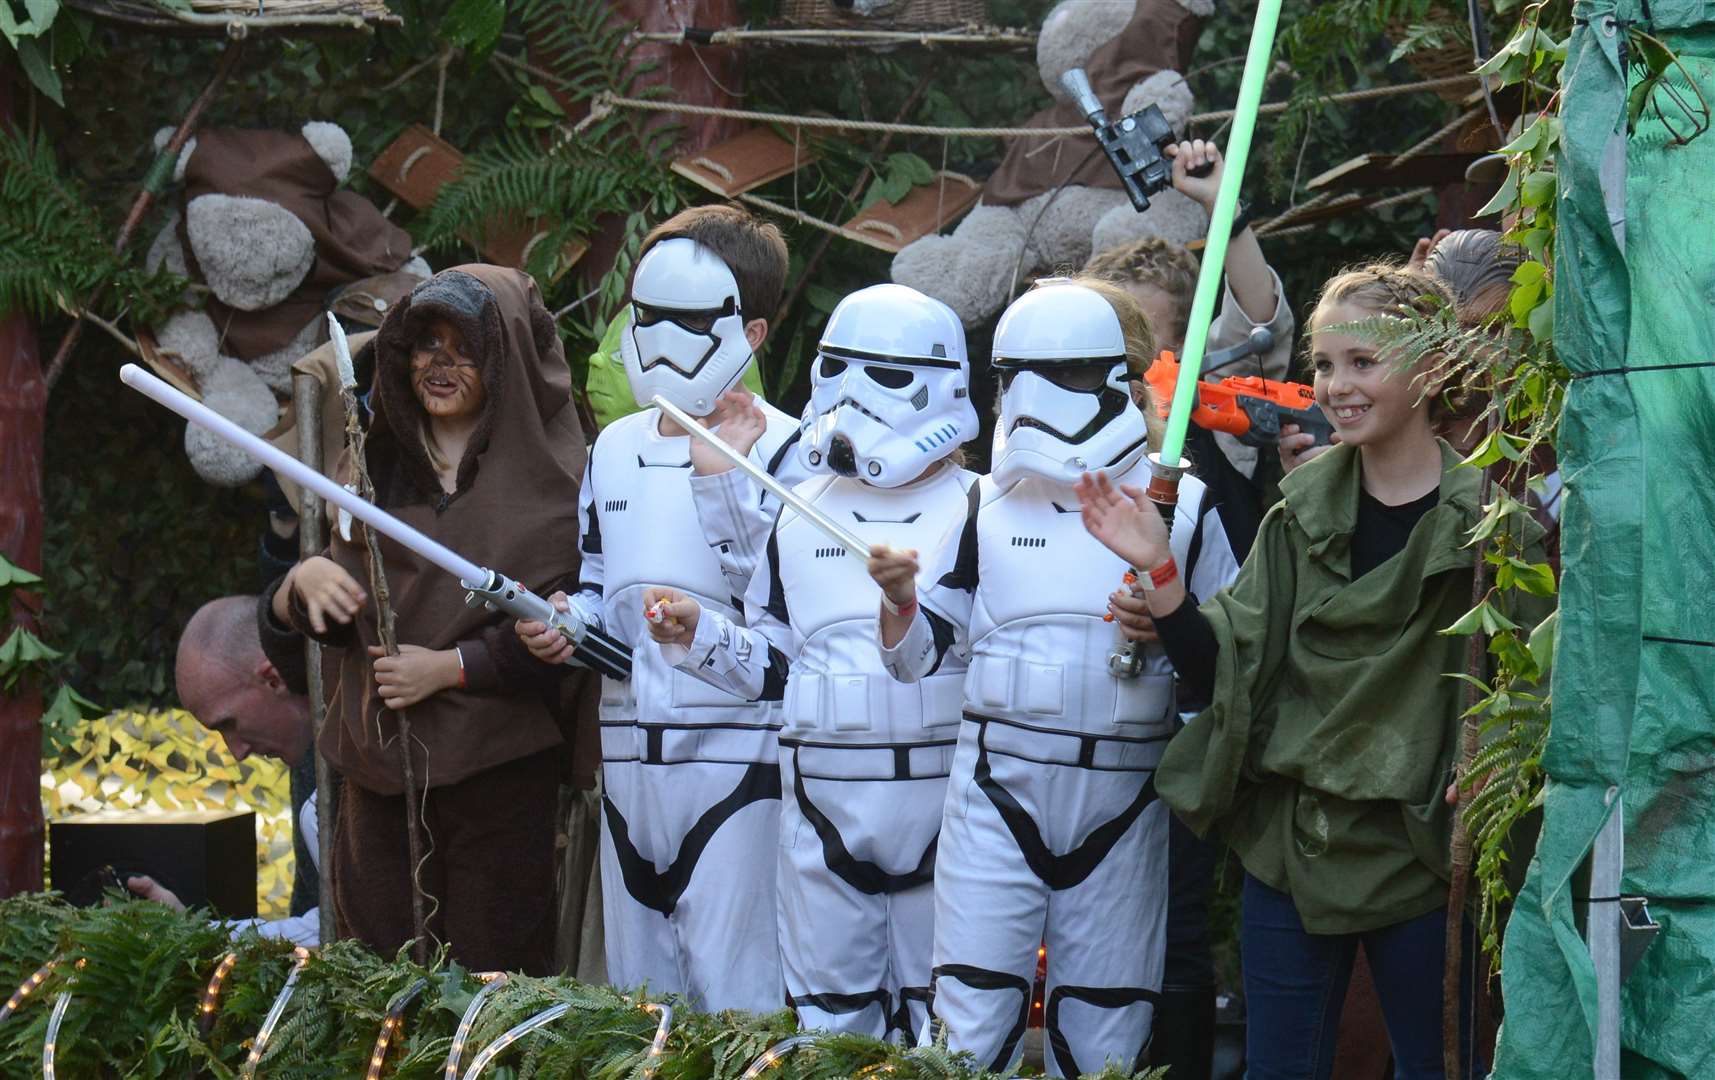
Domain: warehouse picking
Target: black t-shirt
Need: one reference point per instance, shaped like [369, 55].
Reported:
[1380, 534]
[1382, 530]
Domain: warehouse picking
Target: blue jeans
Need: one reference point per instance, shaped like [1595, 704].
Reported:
[1295, 984]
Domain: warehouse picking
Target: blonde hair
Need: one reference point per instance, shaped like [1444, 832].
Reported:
[1388, 288]
[1139, 342]
[1160, 264]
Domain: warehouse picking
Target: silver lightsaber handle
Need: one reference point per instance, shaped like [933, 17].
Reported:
[828, 526]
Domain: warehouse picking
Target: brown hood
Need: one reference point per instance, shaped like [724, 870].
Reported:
[515, 510]
[1159, 37]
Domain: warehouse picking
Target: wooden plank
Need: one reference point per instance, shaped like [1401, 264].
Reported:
[511, 243]
[1379, 171]
[926, 209]
[416, 166]
[744, 162]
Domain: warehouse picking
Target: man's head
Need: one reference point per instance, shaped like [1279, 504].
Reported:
[230, 687]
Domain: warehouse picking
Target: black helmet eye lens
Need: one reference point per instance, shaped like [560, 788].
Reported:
[892, 378]
[698, 321]
[1082, 379]
[832, 366]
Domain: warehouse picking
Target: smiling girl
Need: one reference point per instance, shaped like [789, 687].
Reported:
[1324, 758]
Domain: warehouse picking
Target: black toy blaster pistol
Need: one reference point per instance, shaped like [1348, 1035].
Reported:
[1136, 146]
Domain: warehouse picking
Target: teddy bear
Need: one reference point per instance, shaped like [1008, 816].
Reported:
[265, 234]
[1052, 202]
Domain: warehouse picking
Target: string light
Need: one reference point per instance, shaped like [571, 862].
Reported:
[26, 988]
[492, 981]
[657, 1046]
[211, 993]
[260, 1045]
[774, 1053]
[512, 1035]
[51, 1040]
[390, 1026]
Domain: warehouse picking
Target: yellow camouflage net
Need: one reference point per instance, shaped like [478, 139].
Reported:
[165, 760]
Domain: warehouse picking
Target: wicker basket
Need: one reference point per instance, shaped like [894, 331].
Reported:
[1453, 58]
[899, 15]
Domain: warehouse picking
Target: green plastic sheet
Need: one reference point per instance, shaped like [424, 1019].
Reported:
[1634, 670]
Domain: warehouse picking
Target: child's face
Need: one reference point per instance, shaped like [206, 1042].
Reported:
[1365, 396]
[445, 379]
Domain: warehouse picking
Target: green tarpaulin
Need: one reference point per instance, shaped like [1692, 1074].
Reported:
[1634, 670]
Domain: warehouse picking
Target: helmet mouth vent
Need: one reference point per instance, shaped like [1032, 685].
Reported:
[841, 457]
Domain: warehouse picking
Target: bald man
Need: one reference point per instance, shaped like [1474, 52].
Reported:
[231, 686]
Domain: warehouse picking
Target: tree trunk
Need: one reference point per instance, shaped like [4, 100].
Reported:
[23, 401]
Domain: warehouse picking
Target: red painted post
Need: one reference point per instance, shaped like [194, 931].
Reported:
[23, 409]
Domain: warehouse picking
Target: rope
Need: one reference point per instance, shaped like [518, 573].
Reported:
[606, 103]
[1353, 202]
[696, 36]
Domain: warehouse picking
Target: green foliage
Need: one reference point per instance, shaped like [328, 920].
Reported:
[134, 1013]
[26, 662]
[133, 540]
[53, 248]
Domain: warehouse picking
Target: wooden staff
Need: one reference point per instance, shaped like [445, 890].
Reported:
[355, 439]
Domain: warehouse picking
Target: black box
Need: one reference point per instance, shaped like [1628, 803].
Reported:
[206, 857]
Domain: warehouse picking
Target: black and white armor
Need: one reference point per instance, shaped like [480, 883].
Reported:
[863, 758]
[690, 773]
[1052, 833]
[686, 337]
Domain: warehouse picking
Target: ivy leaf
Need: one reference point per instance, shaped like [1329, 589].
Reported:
[1538, 188]
[38, 17]
[1503, 198]
[1541, 322]
[474, 24]
[24, 648]
[1542, 640]
[1484, 617]
[39, 68]
[1495, 515]
[1534, 578]
[61, 719]
[11, 574]
[913, 168]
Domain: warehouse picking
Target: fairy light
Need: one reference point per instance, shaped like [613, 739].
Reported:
[211, 993]
[390, 1026]
[512, 1035]
[774, 1053]
[492, 981]
[658, 1045]
[50, 1041]
[26, 988]
[272, 1020]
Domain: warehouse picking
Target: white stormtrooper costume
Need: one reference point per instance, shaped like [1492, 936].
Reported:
[1052, 833]
[691, 774]
[863, 758]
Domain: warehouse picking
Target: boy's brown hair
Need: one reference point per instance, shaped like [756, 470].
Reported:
[752, 248]
[1155, 262]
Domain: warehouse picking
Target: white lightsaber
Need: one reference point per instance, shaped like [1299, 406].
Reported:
[594, 649]
[831, 528]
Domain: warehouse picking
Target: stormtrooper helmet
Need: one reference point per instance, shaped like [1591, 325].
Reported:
[1065, 406]
[686, 339]
[890, 390]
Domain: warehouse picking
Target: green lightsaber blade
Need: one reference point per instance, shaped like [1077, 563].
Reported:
[1220, 228]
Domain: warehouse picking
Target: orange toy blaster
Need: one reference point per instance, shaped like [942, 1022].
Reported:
[1250, 408]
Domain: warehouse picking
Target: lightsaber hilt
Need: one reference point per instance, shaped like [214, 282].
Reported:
[825, 524]
[592, 647]
[1126, 660]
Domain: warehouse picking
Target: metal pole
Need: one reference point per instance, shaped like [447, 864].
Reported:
[1602, 928]
[312, 538]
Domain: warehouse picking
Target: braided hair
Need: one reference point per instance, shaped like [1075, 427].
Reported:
[1390, 288]
[1155, 262]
